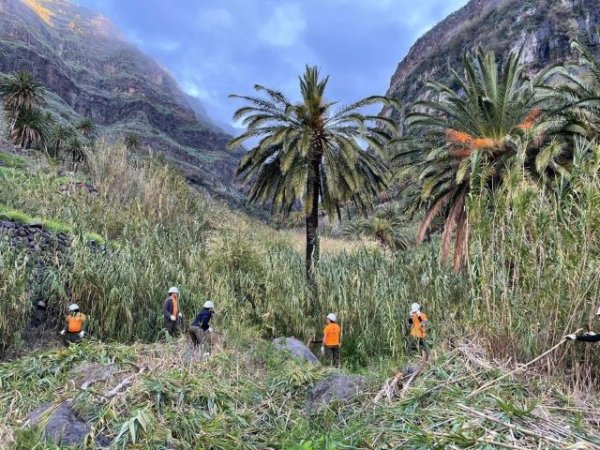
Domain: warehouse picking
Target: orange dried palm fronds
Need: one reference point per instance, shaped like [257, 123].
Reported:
[433, 211]
[483, 143]
[458, 137]
[530, 120]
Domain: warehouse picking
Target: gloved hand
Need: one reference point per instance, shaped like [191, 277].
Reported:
[62, 332]
[571, 337]
[322, 349]
[173, 318]
[81, 334]
[210, 330]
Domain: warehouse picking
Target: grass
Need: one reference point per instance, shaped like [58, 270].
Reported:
[529, 276]
[247, 396]
[10, 161]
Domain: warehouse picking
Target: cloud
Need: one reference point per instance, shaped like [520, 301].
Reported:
[285, 26]
[215, 48]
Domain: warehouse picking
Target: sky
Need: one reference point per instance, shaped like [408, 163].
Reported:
[214, 48]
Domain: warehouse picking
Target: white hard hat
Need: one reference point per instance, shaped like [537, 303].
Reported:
[598, 312]
[74, 307]
[173, 290]
[332, 317]
[415, 307]
[209, 304]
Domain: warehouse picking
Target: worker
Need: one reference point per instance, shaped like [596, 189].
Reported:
[75, 326]
[588, 336]
[417, 321]
[331, 340]
[171, 312]
[200, 328]
[39, 314]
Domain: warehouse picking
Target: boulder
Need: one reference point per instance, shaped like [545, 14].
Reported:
[296, 348]
[60, 424]
[336, 387]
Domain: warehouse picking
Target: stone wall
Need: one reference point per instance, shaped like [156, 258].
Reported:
[40, 243]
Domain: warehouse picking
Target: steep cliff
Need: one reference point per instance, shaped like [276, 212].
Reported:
[93, 71]
[544, 28]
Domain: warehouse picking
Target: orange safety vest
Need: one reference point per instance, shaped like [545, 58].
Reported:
[331, 335]
[416, 330]
[75, 323]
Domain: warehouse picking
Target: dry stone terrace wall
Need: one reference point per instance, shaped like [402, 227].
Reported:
[42, 244]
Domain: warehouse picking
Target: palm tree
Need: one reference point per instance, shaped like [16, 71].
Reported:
[386, 226]
[21, 91]
[59, 136]
[75, 147]
[578, 95]
[86, 127]
[310, 153]
[30, 128]
[467, 138]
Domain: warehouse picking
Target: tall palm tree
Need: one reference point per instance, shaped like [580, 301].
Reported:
[468, 137]
[59, 135]
[30, 128]
[86, 127]
[75, 147]
[309, 152]
[21, 91]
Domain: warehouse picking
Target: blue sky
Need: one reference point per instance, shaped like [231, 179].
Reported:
[218, 47]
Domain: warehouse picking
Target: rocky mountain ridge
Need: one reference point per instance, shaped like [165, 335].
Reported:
[94, 72]
[544, 28]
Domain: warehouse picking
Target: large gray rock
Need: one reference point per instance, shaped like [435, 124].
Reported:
[336, 387]
[60, 425]
[296, 348]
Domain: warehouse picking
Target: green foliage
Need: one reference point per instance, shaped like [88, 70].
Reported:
[310, 153]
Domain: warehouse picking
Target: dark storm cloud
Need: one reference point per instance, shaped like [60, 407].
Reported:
[218, 47]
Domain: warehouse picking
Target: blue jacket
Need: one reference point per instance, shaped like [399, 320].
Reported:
[202, 319]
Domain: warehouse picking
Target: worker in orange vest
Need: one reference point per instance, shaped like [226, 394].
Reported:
[75, 326]
[331, 340]
[171, 312]
[417, 321]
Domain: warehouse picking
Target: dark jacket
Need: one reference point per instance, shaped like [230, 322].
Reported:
[589, 337]
[202, 319]
[167, 309]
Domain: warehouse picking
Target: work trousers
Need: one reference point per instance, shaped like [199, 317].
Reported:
[332, 355]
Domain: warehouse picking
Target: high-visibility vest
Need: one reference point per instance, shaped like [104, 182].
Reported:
[416, 330]
[75, 323]
[331, 335]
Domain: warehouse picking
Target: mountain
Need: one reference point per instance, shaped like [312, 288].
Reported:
[544, 28]
[92, 71]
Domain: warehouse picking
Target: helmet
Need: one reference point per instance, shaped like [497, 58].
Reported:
[173, 290]
[209, 304]
[74, 307]
[415, 307]
[41, 303]
[332, 317]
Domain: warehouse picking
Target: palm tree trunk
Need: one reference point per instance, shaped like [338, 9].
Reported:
[312, 217]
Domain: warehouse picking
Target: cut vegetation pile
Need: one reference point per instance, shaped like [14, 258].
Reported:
[247, 396]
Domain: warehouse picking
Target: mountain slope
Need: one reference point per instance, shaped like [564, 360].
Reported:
[544, 28]
[82, 58]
